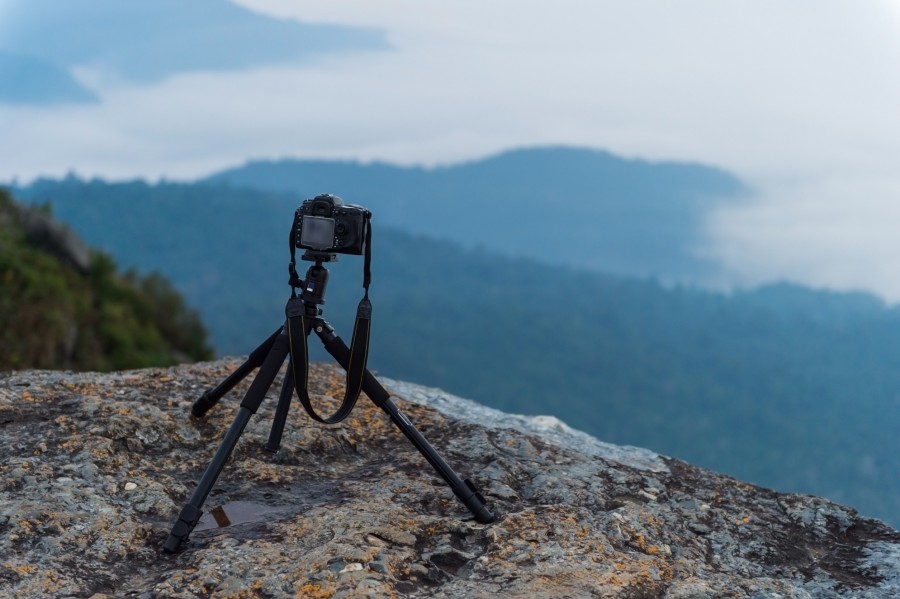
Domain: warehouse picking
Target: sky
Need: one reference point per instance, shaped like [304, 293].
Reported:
[800, 99]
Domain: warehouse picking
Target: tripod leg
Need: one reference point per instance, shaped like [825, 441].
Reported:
[464, 490]
[191, 512]
[281, 412]
[212, 396]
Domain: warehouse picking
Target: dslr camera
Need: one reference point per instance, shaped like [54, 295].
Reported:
[326, 224]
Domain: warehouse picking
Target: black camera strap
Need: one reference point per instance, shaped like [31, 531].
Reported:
[298, 328]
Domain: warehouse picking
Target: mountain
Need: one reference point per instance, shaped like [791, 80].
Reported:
[565, 206]
[784, 386]
[64, 306]
[352, 510]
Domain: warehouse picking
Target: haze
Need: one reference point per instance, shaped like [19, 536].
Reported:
[798, 99]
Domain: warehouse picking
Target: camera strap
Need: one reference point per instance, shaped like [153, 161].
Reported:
[298, 331]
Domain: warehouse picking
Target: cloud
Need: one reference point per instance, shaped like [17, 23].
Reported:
[29, 80]
[150, 41]
[798, 99]
[838, 232]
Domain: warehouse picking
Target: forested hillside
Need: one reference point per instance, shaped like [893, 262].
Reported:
[568, 206]
[84, 315]
[783, 386]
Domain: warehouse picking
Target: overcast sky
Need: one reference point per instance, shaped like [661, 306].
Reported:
[800, 99]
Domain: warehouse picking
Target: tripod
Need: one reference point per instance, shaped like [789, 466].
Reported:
[269, 357]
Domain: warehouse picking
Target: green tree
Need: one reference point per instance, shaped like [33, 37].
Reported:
[53, 316]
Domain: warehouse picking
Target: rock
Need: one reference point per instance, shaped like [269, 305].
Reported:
[96, 467]
[55, 237]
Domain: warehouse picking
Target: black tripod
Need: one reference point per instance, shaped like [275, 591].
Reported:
[269, 357]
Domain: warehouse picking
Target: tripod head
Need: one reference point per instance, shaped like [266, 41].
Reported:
[319, 257]
[313, 285]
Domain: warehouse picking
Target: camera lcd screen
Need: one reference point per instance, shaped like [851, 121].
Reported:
[317, 232]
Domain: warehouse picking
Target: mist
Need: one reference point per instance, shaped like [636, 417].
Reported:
[798, 100]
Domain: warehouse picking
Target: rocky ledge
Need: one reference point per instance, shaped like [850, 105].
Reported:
[95, 468]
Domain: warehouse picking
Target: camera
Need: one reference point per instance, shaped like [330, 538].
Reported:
[326, 224]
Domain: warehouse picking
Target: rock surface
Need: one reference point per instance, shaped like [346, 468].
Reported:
[94, 469]
[55, 237]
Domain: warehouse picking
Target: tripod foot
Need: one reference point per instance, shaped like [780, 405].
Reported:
[181, 530]
[472, 499]
[203, 405]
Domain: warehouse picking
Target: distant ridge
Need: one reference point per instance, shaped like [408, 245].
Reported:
[574, 206]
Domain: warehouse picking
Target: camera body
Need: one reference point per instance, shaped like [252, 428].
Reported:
[326, 224]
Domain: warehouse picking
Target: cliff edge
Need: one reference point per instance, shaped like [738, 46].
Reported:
[95, 467]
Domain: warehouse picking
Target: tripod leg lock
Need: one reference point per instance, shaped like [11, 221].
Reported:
[473, 500]
[187, 520]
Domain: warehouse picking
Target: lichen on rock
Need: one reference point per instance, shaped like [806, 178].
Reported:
[94, 469]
